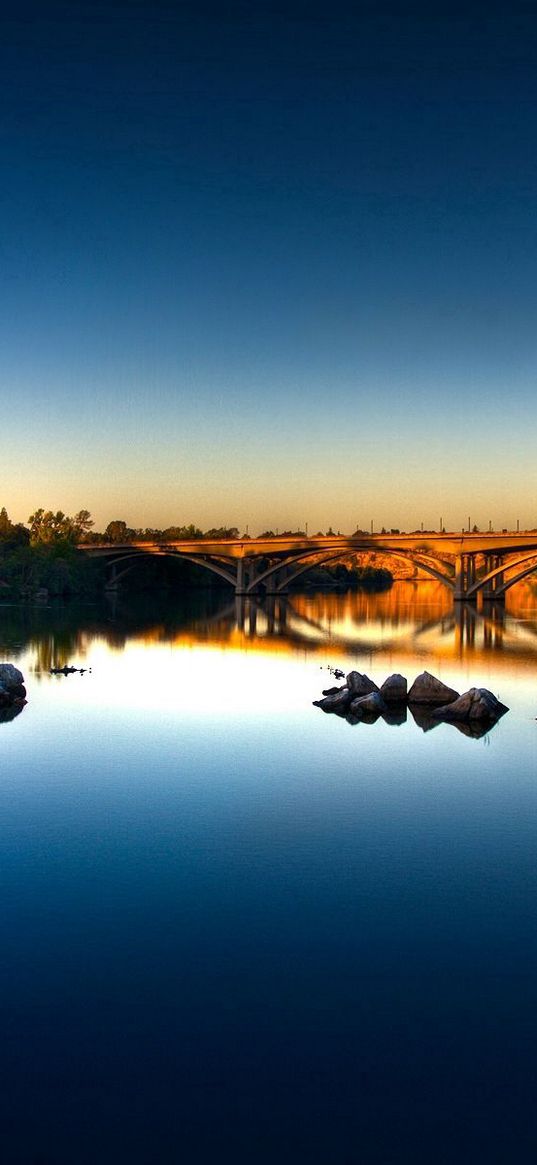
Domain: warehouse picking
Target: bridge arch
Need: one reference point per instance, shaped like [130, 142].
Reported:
[483, 582]
[208, 563]
[319, 557]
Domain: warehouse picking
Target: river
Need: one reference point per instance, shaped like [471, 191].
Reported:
[236, 928]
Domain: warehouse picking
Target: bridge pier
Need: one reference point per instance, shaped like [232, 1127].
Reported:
[247, 571]
[494, 585]
[465, 576]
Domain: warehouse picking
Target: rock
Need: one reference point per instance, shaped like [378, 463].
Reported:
[337, 702]
[330, 691]
[427, 689]
[6, 698]
[10, 676]
[477, 706]
[12, 691]
[367, 707]
[353, 719]
[360, 685]
[394, 689]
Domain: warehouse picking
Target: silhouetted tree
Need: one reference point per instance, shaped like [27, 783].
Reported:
[81, 524]
[222, 532]
[12, 535]
[118, 531]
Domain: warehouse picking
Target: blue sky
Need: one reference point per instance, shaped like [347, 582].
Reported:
[269, 263]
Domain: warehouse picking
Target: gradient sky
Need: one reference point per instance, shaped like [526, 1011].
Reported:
[269, 263]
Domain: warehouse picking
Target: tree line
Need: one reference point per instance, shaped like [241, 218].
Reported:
[42, 556]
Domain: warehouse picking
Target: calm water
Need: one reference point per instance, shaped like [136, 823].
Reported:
[235, 928]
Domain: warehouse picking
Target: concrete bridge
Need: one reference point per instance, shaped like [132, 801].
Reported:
[468, 564]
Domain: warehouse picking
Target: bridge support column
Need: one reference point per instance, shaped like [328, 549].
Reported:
[247, 571]
[490, 591]
[464, 576]
[276, 584]
[240, 587]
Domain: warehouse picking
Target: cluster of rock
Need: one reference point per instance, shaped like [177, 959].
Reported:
[429, 700]
[12, 691]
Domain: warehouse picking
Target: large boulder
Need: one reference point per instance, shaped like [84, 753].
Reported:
[6, 699]
[337, 701]
[368, 707]
[394, 689]
[478, 706]
[360, 685]
[10, 676]
[12, 690]
[427, 689]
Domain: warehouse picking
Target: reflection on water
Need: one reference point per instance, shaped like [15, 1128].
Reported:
[235, 928]
[413, 618]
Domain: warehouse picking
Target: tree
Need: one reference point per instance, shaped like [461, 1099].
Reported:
[81, 524]
[12, 535]
[45, 526]
[118, 531]
[5, 524]
[222, 532]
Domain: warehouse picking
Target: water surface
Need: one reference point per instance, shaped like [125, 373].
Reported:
[234, 927]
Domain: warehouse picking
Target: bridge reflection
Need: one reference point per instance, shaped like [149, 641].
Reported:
[413, 622]
[410, 618]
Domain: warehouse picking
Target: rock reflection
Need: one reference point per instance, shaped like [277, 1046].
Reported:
[8, 714]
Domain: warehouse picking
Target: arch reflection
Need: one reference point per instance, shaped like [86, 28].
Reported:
[414, 619]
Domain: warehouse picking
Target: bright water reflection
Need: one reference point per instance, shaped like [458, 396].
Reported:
[235, 927]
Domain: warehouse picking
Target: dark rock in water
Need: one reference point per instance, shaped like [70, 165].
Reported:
[396, 714]
[337, 702]
[368, 707]
[330, 691]
[10, 676]
[394, 689]
[18, 692]
[12, 692]
[477, 706]
[427, 689]
[360, 685]
[6, 698]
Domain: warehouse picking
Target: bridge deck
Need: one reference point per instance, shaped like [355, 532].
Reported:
[433, 544]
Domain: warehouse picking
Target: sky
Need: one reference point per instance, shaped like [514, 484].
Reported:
[264, 264]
